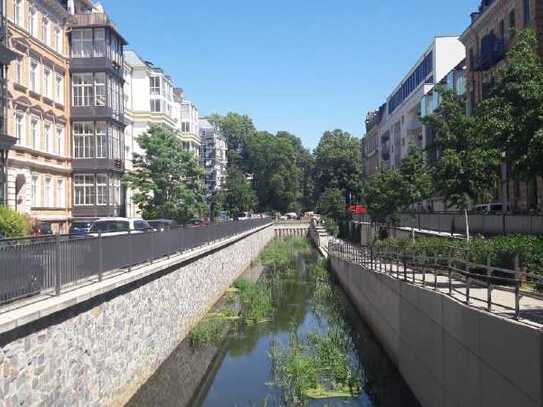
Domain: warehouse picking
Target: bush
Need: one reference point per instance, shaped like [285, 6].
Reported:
[13, 224]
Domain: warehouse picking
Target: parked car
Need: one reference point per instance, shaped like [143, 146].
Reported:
[81, 227]
[118, 226]
[42, 229]
[160, 225]
[491, 208]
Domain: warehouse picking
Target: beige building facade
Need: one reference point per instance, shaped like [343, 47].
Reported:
[39, 165]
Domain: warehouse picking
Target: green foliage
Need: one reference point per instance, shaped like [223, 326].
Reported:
[13, 224]
[500, 251]
[280, 254]
[238, 195]
[209, 332]
[256, 301]
[338, 164]
[332, 204]
[512, 117]
[467, 168]
[167, 180]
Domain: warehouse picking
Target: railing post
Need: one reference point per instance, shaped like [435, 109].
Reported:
[449, 271]
[517, 287]
[129, 249]
[58, 274]
[100, 257]
[489, 284]
[371, 259]
[404, 269]
[468, 282]
[152, 232]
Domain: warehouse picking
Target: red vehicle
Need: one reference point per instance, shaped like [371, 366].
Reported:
[358, 209]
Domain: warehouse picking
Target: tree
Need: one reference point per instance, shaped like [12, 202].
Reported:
[467, 165]
[238, 195]
[273, 163]
[416, 181]
[167, 180]
[338, 164]
[384, 196]
[512, 115]
[237, 130]
[332, 204]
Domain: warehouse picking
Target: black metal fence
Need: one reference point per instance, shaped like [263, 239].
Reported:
[29, 266]
[487, 225]
[460, 274]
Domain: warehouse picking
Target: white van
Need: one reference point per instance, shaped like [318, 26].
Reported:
[118, 226]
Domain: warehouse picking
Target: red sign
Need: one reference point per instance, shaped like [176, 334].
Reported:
[358, 209]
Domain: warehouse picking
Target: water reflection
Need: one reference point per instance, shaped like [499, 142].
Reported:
[240, 372]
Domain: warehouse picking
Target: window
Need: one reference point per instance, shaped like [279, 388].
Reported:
[101, 189]
[47, 145]
[82, 43]
[155, 105]
[100, 42]
[526, 6]
[84, 143]
[154, 85]
[18, 71]
[35, 133]
[59, 145]
[101, 140]
[59, 43]
[46, 32]
[512, 23]
[33, 22]
[115, 143]
[84, 189]
[61, 194]
[83, 89]
[100, 89]
[185, 127]
[19, 12]
[19, 127]
[59, 89]
[34, 76]
[47, 88]
[34, 191]
[47, 193]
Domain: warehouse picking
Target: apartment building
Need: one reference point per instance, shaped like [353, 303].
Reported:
[400, 126]
[6, 141]
[190, 123]
[39, 164]
[213, 157]
[97, 111]
[487, 39]
[370, 142]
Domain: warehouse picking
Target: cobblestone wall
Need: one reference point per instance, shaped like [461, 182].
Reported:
[99, 352]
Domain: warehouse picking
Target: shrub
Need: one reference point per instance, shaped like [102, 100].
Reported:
[13, 224]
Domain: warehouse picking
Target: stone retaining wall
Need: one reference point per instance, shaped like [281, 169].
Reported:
[100, 351]
[448, 353]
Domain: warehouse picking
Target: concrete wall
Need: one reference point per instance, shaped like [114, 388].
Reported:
[100, 351]
[449, 354]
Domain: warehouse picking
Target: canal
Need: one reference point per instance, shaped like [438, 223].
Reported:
[292, 338]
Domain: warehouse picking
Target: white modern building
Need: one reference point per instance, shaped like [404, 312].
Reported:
[213, 157]
[400, 126]
[190, 124]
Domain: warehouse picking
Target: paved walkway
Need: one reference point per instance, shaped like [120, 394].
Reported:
[503, 298]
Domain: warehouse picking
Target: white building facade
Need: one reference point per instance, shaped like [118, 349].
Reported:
[190, 125]
[213, 157]
[400, 126]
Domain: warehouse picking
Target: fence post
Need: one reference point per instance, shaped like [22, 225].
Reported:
[100, 257]
[58, 274]
[489, 284]
[517, 287]
[468, 282]
[152, 232]
[129, 249]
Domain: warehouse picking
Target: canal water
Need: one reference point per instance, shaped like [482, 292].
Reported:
[239, 371]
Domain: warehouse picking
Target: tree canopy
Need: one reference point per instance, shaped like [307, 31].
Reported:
[237, 196]
[167, 180]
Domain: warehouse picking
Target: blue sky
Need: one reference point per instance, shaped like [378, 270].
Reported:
[304, 66]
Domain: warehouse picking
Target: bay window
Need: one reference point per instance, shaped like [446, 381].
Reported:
[99, 42]
[82, 43]
[101, 189]
[100, 89]
[101, 140]
[83, 89]
[84, 190]
[84, 141]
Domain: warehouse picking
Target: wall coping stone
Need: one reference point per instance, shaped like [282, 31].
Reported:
[31, 312]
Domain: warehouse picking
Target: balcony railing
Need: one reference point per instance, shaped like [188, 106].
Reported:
[92, 19]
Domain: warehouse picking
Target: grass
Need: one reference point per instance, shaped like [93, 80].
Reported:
[280, 255]
[256, 301]
[209, 332]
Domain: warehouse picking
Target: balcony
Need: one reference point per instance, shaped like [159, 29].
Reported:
[92, 19]
[97, 164]
[492, 52]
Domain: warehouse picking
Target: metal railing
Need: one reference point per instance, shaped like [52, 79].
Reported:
[448, 222]
[30, 266]
[455, 270]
